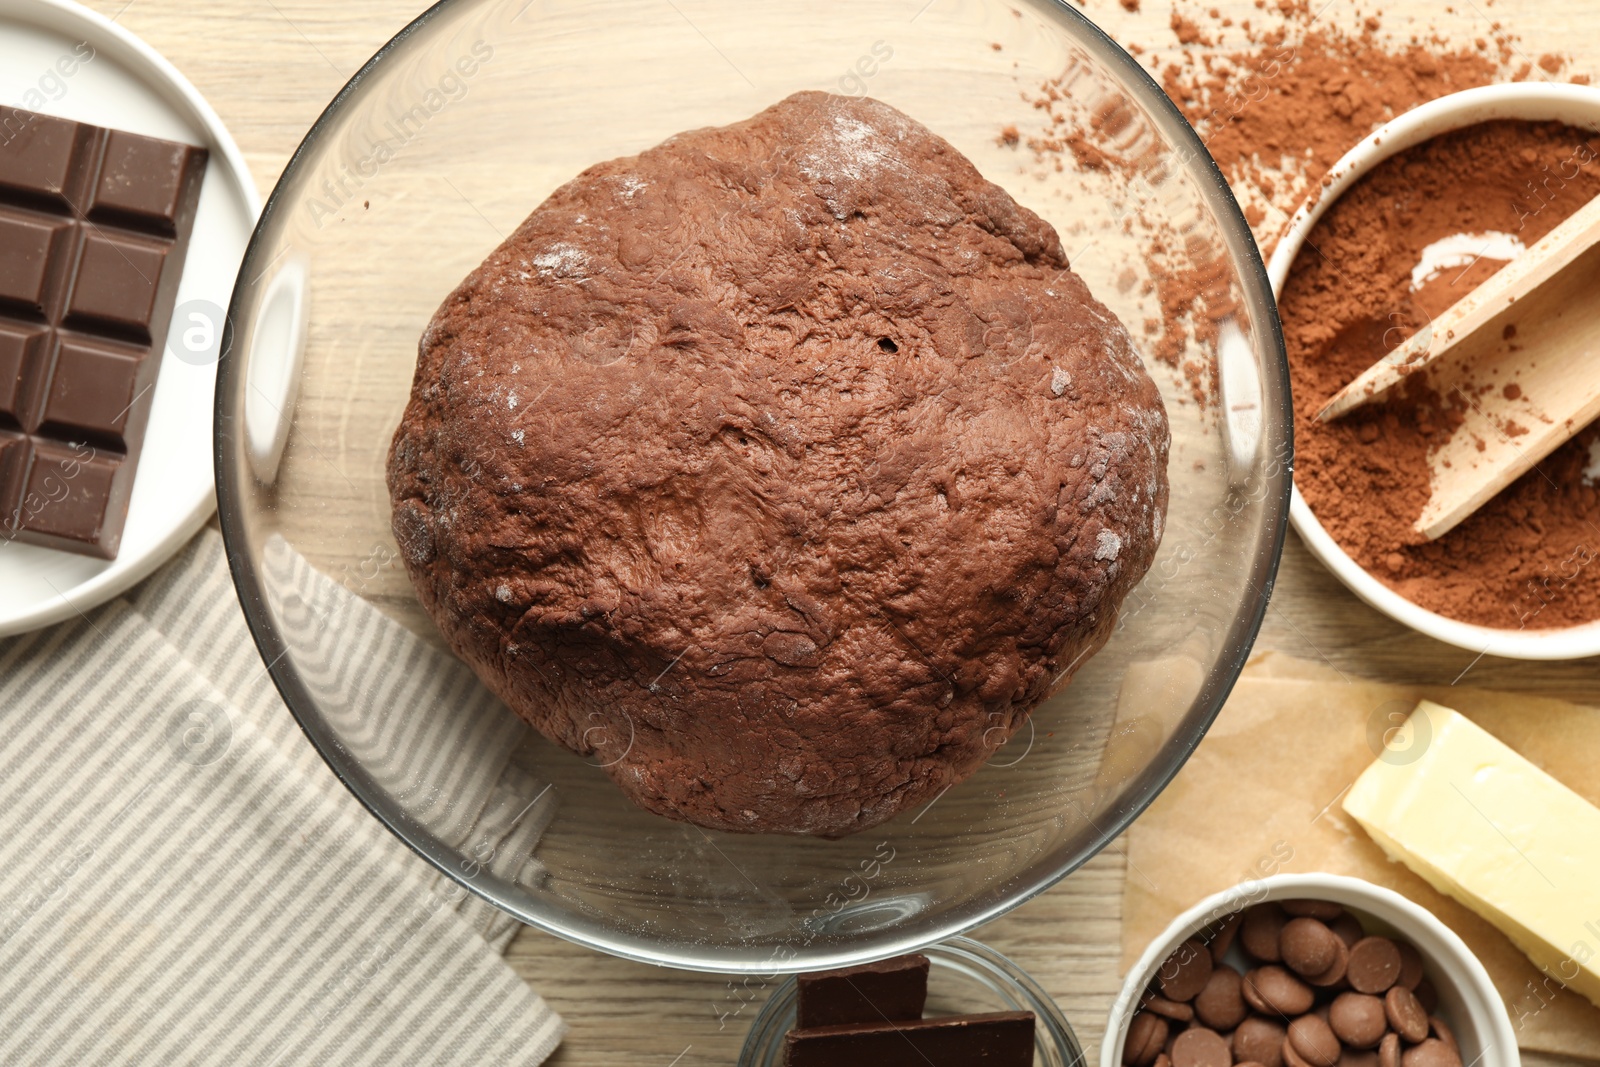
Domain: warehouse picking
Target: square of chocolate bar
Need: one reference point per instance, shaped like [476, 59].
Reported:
[22, 348]
[892, 989]
[94, 229]
[995, 1039]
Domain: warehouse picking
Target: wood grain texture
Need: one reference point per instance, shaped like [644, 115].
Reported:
[270, 68]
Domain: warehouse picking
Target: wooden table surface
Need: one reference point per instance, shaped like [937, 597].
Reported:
[270, 67]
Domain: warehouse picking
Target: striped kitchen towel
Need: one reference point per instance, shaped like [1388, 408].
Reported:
[431, 730]
[183, 881]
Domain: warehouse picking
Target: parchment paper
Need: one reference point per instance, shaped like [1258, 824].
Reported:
[1260, 796]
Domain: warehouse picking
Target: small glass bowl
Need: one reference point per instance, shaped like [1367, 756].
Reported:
[964, 976]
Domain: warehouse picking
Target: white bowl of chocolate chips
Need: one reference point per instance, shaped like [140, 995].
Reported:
[1308, 970]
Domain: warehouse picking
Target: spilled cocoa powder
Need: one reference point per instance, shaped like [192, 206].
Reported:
[1277, 113]
[1277, 100]
[1525, 559]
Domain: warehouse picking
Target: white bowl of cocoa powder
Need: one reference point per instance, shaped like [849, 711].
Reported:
[1408, 222]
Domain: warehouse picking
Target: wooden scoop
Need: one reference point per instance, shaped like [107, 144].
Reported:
[1541, 357]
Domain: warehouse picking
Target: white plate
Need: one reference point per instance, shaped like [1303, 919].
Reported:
[1536, 101]
[127, 85]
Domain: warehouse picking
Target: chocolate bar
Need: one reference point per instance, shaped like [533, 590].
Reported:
[994, 1039]
[891, 990]
[94, 229]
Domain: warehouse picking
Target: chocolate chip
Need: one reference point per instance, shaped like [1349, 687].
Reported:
[1308, 946]
[1336, 971]
[1291, 1058]
[1177, 1012]
[1147, 1034]
[1356, 1057]
[1186, 971]
[1200, 1047]
[1405, 1013]
[1326, 910]
[1314, 1040]
[1259, 1040]
[1272, 990]
[1223, 939]
[1358, 1019]
[1374, 964]
[1162, 1060]
[1431, 1053]
[1427, 996]
[1410, 965]
[1389, 1051]
[1259, 932]
[1442, 1032]
[1220, 1004]
[1348, 927]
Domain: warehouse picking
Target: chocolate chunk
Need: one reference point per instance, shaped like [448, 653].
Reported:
[1220, 1005]
[1348, 927]
[1443, 1033]
[1325, 910]
[1431, 1053]
[1358, 1019]
[1147, 1037]
[1335, 974]
[1308, 947]
[1389, 1051]
[995, 1039]
[94, 231]
[1222, 940]
[1314, 1040]
[1427, 996]
[1170, 1009]
[1186, 971]
[1260, 930]
[1201, 1047]
[1259, 1040]
[1410, 965]
[1272, 990]
[1405, 1013]
[1374, 965]
[892, 989]
[1291, 1057]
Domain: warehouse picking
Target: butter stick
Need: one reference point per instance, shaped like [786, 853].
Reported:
[1487, 827]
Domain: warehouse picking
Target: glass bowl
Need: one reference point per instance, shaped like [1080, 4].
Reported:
[433, 153]
[964, 977]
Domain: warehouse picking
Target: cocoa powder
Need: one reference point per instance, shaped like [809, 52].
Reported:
[1278, 113]
[1524, 559]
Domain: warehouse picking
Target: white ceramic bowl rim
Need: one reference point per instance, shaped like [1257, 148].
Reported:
[1439, 944]
[1524, 100]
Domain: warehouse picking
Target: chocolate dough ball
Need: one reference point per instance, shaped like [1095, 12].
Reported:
[782, 469]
